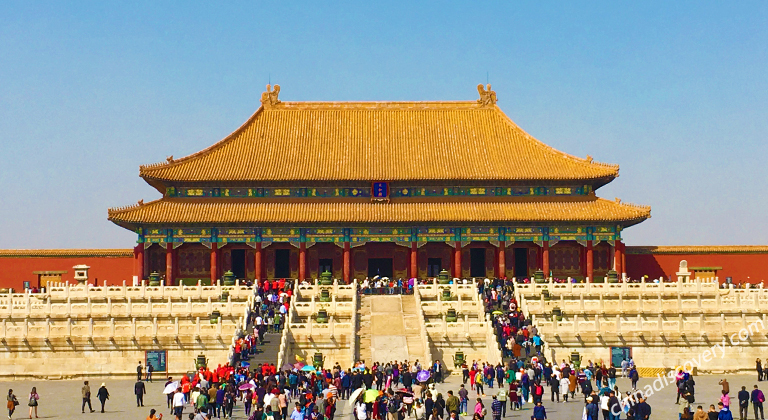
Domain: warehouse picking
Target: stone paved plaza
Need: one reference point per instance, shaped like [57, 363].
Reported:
[61, 399]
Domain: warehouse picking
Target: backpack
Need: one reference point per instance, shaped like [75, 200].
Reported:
[392, 405]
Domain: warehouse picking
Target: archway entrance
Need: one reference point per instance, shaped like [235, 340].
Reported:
[381, 267]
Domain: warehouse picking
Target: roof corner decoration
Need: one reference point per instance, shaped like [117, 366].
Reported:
[487, 96]
[269, 98]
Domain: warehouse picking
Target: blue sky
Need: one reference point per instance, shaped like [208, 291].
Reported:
[674, 92]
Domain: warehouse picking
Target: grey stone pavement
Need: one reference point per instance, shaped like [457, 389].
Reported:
[61, 399]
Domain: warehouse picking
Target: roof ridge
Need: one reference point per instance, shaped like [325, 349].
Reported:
[587, 160]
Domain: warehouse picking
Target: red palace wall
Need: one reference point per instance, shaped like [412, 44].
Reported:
[114, 266]
[743, 264]
[751, 266]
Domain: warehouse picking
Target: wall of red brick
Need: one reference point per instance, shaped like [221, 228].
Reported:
[14, 271]
[752, 268]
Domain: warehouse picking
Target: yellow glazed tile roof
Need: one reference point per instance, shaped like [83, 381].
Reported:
[65, 253]
[181, 211]
[699, 249]
[378, 141]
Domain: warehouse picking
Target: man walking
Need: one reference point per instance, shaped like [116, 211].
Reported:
[743, 403]
[150, 369]
[138, 371]
[139, 390]
[86, 390]
[496, 408]
[757, 402]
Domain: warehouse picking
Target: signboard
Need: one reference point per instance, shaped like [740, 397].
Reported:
[380, 191]
[157, 358]
[618, 354]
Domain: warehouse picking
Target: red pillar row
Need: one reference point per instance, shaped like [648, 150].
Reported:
[302, 261]
[169, 264]
[138, 269]
[617, 257]
[346, 266]
[214, 262]
[257, 264]
[414, 271]
[545, 258]
[457, 260]
[590, 262]
[502, 259]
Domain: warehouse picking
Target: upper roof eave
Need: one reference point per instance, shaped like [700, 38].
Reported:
[587, 170]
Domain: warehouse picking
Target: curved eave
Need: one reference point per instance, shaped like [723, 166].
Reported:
[212, 212]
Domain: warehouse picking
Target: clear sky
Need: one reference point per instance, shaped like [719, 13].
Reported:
[673, 91]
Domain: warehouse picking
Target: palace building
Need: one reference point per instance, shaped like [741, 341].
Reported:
[397, 189]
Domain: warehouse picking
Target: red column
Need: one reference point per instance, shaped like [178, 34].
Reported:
[345, 262]
[302, 261]
[457, 260]
[623, 258]
[257, 254]
[138, 270]
[414, 272]
[169, 264]
[502, 259]
[545, 258]
[617, 257]
[214, 262]
[590, 262]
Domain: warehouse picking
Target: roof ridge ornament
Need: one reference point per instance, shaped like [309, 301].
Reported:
[487, 96]
[269, 98]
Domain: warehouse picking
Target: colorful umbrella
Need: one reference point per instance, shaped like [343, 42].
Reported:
[171, 387]
[299, 365]
[423, 376]
[497, 313]
[287, 366]
[356, 393]
[371, 395]
[308, 368]
[246, 386]
[404, 391]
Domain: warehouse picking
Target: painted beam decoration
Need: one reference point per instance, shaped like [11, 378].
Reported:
[295, 235]
[336, 235]
[377, 191]
[380, 234]
[289, 235]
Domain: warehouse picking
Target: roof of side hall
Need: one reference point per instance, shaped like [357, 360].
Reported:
[378, 141]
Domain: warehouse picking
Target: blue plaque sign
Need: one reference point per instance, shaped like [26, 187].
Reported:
[158, 359]
[380, 191]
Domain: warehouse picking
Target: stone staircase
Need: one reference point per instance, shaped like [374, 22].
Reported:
[363, 341]
[413, 336]
[267, 352]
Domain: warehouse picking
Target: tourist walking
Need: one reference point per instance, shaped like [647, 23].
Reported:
[12, 402]
[758, 398]
[743, 396]
[179, 400]
[724, 413]
[539, 413]
[33, 398]
[138, 371]
[139, 390]
[86, 391]
[103, 395]
[150, 370]
[496, 408]
[759, 368]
